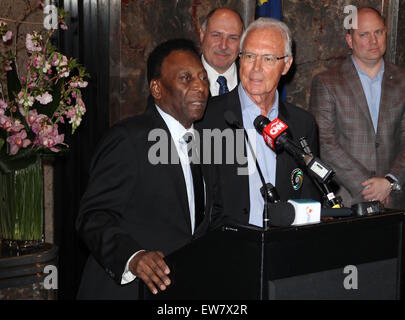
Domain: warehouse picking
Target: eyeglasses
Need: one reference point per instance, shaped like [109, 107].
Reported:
[267, 59]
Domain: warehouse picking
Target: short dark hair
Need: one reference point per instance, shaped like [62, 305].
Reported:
[162, 51]
[211, 13]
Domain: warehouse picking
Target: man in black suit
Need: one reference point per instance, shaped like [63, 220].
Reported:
[136, 210]
[265, 56]
[220, 37]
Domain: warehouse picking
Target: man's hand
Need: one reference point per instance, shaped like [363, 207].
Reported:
[152, 269]
[376, 189]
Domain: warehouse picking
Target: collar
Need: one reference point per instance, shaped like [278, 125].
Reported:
[213, 74]
[176, 129]
[361, 72]
[249, 105]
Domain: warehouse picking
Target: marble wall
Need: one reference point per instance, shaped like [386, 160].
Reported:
[317, 28]
[145, 24]
[319, 36]
[400, 58]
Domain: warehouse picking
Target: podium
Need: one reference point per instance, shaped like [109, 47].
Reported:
[348, 258]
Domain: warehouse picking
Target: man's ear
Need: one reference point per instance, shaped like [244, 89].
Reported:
[349, 40]
[155, 89]
[201, 35]
[287, 65]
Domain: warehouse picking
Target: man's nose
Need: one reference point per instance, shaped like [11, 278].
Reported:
[373, 38]
[199, 84]
[257, 65]
[224, 43]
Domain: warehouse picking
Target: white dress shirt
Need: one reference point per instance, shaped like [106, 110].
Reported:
[231, 76]
[177, 132]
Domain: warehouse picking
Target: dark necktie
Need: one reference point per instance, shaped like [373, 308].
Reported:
[198, 183]
[223, 87]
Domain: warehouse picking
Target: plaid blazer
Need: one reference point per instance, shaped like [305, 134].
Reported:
[347, 138]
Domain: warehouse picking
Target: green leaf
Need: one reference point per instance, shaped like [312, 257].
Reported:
[1, 143]
[13, 83]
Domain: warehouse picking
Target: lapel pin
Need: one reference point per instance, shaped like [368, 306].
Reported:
[297, 179]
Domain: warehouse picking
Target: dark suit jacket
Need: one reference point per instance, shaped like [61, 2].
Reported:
[347, 138]
[235, 188]
[237, 75]
[130, 205]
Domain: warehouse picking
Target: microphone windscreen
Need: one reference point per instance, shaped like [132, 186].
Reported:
[281, 214]
[260, 123]
[231, 119]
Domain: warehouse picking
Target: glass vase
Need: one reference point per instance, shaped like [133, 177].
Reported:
[21, 208]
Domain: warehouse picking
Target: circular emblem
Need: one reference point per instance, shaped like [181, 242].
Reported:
[297, 179]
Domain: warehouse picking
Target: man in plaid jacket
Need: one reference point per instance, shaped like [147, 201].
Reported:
[359, 106]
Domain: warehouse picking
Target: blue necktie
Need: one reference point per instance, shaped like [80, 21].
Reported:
[223, 88]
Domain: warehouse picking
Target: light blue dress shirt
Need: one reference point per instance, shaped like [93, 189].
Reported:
[265, 156]
[372, 91]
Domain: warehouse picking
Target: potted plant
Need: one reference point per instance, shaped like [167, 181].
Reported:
[37, 103]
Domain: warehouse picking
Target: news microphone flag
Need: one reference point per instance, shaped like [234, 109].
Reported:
[272, 9]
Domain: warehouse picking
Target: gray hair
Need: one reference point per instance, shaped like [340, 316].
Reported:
[270, 23]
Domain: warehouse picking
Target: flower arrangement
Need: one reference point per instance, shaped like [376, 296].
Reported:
[35, 104]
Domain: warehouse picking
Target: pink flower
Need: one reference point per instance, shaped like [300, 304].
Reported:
[63, 26]
[25, 100]
[44, 98]
[37, 61]
[6, 123]
[35, 120]
[49, 137]
[18, 141]
[7, 36]
[32, 42]
[83, 84]
[46, 68]
[16, 126]
[55, 60]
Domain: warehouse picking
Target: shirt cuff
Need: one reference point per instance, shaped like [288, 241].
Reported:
[128, 276]
[392, 176]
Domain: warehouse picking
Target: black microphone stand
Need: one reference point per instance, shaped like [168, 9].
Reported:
[230, 118]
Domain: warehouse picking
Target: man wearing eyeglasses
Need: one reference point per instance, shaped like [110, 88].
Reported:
[265, 56]
[360, 109]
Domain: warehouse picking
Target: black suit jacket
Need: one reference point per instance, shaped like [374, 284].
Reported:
[234, 188]
[130, 205]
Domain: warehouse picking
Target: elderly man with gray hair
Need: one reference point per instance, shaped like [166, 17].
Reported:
[265, 56]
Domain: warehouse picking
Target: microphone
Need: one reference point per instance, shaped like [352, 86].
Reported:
[282, 214]
[275, 134]
[272, 194]
[276, 137]
[268, 190]
[294, 213]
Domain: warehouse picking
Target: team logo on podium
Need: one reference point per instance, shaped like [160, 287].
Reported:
[297, 179]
